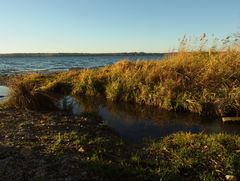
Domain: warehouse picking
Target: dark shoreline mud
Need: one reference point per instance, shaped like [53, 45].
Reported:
[58, 146]
[53, 145]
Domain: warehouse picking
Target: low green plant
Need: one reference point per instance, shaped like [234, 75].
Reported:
[61, 142]
[193, 156]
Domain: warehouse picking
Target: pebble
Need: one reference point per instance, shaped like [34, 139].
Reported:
[231, 178]
[81, 150]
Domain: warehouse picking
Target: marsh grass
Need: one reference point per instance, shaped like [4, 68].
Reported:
[199, 79]
[26, 95]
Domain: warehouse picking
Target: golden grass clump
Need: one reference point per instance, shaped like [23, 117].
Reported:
[25, 94]
[201, 80]
[197, 82]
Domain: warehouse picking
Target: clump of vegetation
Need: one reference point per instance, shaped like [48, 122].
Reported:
[26, 95]
[204, 80]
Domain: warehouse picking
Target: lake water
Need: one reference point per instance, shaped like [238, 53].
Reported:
[135, 122]
[9, 65]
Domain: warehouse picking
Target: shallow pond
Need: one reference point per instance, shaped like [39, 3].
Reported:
[4, 91]
[134, 122]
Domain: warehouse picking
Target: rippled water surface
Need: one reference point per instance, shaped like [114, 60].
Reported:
[10, 65]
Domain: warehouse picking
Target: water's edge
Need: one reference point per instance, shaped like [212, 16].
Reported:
[134, 122]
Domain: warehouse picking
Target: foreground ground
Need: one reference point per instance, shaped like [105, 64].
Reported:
[57, 146]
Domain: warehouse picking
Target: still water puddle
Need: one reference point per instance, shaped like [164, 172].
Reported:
[134, 122]
[4, 92]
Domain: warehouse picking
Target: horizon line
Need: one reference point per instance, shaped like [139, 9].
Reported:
[1, 53]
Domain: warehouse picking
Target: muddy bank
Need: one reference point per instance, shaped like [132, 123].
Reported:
[57, 146]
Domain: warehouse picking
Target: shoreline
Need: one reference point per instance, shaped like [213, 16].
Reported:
[77, 54]
[178, 83]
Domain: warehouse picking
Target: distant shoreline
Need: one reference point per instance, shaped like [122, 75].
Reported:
[76, 54]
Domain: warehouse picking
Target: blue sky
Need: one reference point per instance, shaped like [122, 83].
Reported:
[96, 26]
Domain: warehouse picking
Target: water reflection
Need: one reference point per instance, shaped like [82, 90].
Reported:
[134, 122]
[4, 92]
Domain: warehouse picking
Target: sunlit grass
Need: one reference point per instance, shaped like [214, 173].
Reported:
[195, 80]
[193, 156]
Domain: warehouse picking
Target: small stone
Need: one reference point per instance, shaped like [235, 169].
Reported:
[231, 178]
[81, 150]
